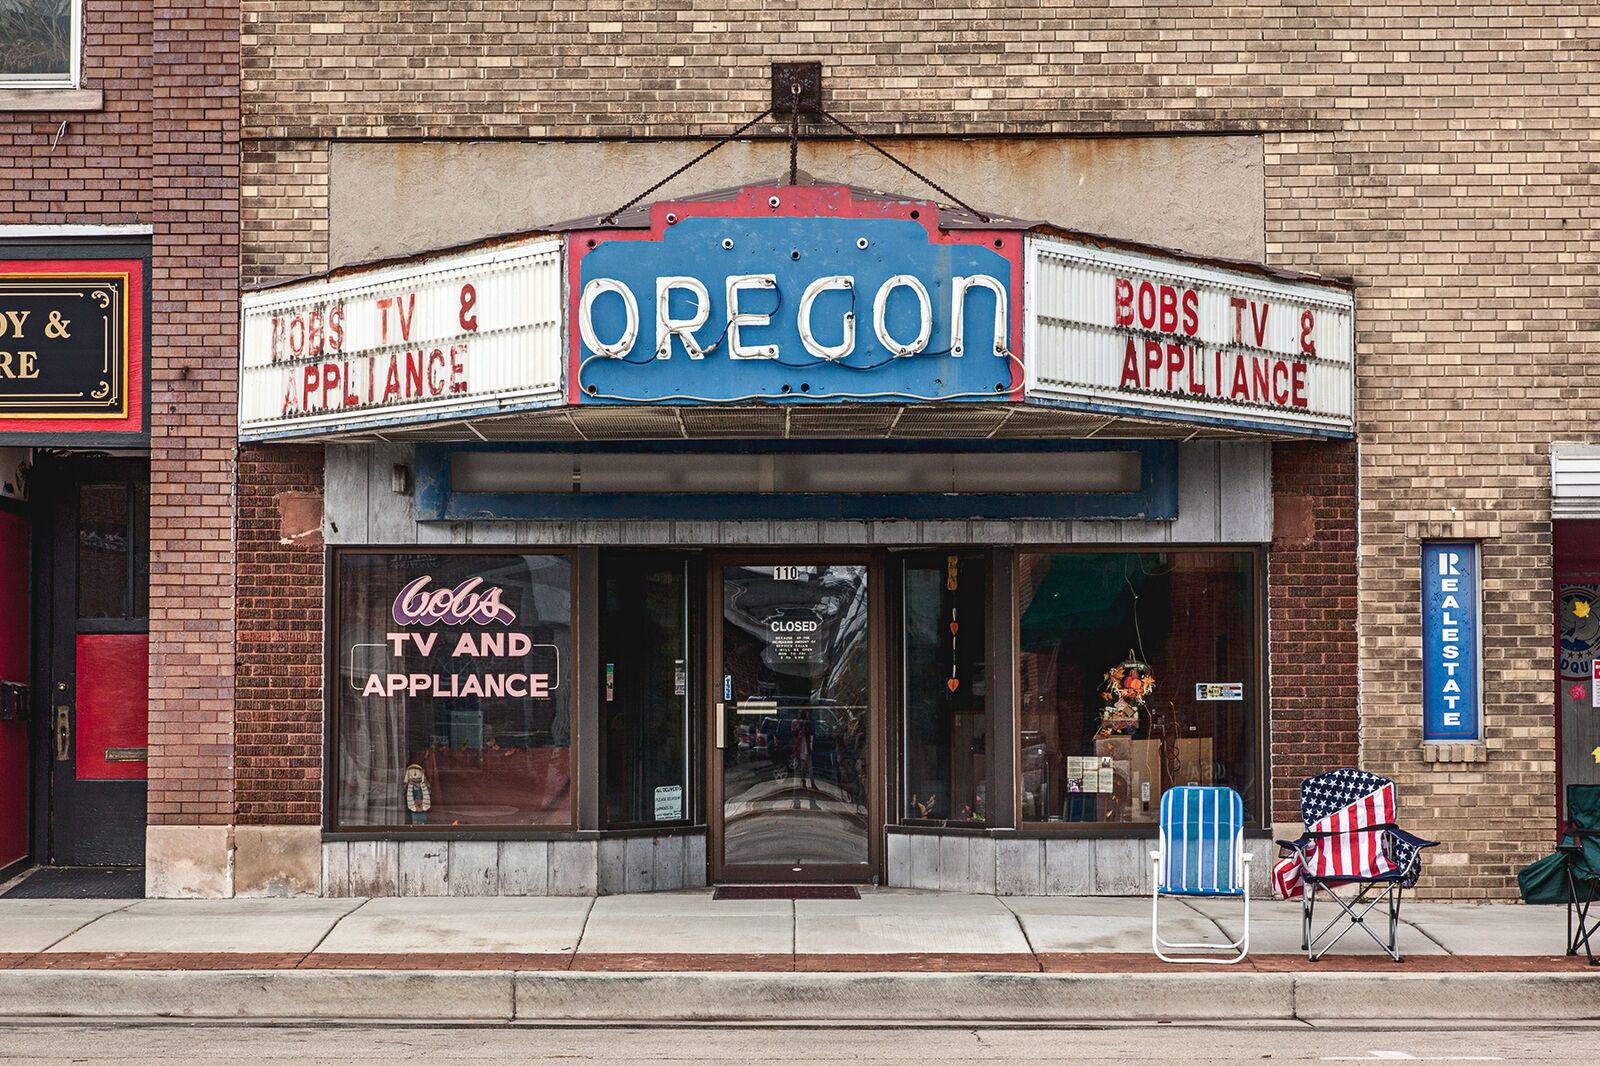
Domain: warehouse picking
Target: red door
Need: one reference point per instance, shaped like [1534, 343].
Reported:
[98, 705]
[13, 684]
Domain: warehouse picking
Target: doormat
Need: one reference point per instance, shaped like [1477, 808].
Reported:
[786, 892]
[80, 882]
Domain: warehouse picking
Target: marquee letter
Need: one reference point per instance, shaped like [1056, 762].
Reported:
[847, 344]
[738, 283]
[958, 306]
[592, 292]
[880, 304]
[683, 328]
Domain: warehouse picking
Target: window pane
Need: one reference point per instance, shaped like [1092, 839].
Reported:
[1138, 673]
[141, 549]
[455, 690]
[36, 39]
[103, 551]
[945, 690]
[644, 686]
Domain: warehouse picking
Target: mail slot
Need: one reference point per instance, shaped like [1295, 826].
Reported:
[127, 754]
[13, 700]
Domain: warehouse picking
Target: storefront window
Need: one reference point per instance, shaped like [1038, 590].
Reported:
[945, 690]
[644, 688]
[454, 690]
[1139, 672]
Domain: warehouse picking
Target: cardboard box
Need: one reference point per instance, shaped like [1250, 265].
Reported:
[1194, 761]
[1114, 756]
[1144, 785]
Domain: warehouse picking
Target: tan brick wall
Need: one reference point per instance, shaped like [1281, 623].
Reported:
[1441, 155]
[284, 209]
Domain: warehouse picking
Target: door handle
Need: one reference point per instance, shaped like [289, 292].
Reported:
[722, 727]
[63, 732]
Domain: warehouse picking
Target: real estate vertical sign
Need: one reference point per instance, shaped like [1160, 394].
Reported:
[1450, 647]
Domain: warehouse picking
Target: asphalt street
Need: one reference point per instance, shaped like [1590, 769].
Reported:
[131, 1044]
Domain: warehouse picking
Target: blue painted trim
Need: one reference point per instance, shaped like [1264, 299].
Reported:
[1188, 418]
[1156, 500]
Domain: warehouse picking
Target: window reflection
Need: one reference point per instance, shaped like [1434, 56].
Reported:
[946, 743]
[455, 689]
[1138, 673]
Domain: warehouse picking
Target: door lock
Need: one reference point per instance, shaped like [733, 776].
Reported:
[63, 732]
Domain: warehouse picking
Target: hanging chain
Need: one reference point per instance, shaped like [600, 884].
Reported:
[609, 219]
[794, 160]
[935, 186]
[794, 136]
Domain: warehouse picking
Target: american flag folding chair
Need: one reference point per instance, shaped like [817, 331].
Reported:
[1201, 853]
[1350, 841]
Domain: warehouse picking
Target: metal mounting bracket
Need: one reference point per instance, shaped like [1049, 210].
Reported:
[796, 88]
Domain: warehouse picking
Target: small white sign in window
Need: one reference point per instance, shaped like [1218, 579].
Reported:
[669, 803]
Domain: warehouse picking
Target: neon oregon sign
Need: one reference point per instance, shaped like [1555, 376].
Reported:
[741, 301]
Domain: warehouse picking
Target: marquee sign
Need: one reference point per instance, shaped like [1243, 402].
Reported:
[793, 295]
[1147, 335]
[71, 347]
[452, 337]
[797, 295]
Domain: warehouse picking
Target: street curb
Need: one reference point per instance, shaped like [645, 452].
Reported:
[998, 997]
[1464, 996]
[796, 997]
[256, 994]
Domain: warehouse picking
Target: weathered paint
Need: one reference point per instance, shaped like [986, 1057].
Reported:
[794, 294]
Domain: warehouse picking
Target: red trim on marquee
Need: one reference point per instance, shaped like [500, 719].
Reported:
[134, 422]
[794, 201]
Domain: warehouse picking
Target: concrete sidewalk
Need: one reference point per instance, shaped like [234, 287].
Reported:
[681, 956]
[664, 930]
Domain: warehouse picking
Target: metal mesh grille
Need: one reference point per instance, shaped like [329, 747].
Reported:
[855, 420]
[858, 421]
[735, 421]
[949, 421]
[628, 423]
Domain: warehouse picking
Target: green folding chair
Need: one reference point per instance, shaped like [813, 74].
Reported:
[1572, 874]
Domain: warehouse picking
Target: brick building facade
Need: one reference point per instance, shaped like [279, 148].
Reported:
[1380, 160]
[139, 158]
[1436, 158]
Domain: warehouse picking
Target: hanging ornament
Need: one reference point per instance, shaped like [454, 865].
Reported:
[951, 564]
[1124, 693]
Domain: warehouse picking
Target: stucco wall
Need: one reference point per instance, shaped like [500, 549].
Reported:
[1201, 194]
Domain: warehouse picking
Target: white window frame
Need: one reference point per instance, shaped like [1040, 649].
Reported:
[72, 79]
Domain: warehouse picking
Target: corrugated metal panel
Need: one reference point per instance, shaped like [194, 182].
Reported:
[1575, 480]
[426, 341]
[1134, 333]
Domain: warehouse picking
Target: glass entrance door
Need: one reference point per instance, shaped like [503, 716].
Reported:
[793, 681]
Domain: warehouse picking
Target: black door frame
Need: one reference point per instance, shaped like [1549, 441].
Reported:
[874, 560]
[54, 640]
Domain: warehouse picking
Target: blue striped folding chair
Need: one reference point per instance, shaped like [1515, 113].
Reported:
[1201, 854]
